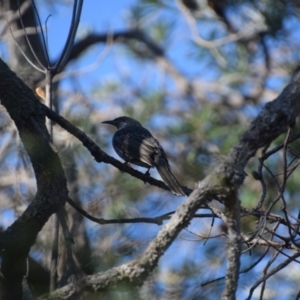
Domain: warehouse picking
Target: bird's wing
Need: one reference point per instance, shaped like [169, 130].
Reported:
[138, 147]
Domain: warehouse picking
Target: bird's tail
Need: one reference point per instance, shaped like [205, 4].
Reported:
[166, 174]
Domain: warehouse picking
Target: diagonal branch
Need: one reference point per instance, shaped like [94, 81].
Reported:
[135, 272]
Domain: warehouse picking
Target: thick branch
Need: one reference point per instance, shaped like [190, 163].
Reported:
[274, 120]
[29, 118]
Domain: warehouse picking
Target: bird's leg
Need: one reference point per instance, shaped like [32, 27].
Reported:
[126, 163]
[148, 172]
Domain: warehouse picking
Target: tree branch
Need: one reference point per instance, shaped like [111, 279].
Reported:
[29, 118]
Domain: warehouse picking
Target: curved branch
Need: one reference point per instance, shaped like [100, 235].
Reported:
[157, 53]
[120, 36]
[25, 110]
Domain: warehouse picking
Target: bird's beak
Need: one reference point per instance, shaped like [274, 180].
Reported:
[108, 122]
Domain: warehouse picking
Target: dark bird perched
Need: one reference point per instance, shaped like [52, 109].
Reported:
[135, 144]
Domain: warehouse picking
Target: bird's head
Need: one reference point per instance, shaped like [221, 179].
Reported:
[121, 122]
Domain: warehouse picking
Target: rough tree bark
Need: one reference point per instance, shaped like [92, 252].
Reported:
[26, 111]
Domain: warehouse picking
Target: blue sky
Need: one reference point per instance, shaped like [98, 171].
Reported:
[96, 15]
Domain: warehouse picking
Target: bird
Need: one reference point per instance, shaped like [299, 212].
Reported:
[136, 145]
